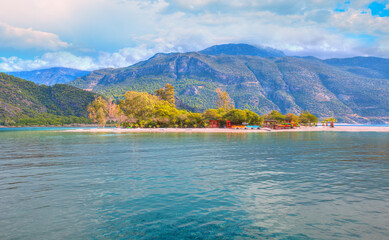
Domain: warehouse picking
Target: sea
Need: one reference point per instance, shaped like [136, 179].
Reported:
[286, 185]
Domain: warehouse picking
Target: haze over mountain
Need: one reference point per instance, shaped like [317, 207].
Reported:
[365, 66]
[50, 76]
[351, 90]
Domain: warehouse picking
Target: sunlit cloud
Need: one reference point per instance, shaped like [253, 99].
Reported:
[26, 38]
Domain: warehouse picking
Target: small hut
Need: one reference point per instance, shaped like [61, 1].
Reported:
[214, 123]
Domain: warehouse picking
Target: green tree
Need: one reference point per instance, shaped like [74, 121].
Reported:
[274, 115]
[236, 116]
[98, 111]
[138, 105]
[214, 114]
[165, 114]
[196, 119]
[252, 118]
[308, 118]
[292, 117]
[331, 119]
[223, 100]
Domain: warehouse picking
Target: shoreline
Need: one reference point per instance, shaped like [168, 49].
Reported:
[55, 126]
[227, 130]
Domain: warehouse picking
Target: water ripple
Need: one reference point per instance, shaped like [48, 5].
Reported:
[194, 186]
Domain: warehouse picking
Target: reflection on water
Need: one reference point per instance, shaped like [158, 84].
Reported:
[201, 186]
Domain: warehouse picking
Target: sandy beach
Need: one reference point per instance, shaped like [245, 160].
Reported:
[226, 130]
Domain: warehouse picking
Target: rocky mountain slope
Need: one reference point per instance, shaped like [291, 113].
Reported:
[259, 79]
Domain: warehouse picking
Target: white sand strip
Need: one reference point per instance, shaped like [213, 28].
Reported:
[225, 130]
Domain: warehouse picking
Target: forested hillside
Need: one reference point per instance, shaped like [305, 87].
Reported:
[26, 103]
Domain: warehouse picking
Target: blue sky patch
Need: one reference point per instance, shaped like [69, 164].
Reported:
[379, 9]
[342, 7]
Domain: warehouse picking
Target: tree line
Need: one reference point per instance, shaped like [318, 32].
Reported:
[141, 109]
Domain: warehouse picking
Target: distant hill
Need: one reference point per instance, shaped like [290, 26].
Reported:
[50, 76]
[258, 83]
[21, 99]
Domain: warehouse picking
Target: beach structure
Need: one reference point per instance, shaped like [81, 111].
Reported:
[228, 124]
[214, 124]
[238, 126]
[253, 127]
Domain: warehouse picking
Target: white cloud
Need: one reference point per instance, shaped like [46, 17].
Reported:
[122, 58]
[353, 21]
[284, 7]
[140, 29]
[25, 38]
[53, 59]
[192, 4]
[125, 57]
[311, 33]
[293, 34]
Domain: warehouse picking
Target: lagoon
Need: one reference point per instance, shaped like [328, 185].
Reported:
[287, 185]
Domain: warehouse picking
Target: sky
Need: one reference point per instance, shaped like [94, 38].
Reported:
[94, 34]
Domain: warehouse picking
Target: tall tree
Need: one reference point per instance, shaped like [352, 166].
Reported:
[115, 113]
[98, 111]
[223, 100]
[166, 93]
[169, 93]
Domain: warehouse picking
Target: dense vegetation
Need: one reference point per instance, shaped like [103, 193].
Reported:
[26, 103]
[258, 83]
[141, 109]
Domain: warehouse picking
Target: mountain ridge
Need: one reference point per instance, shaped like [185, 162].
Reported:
[242, 49]
[261, 84]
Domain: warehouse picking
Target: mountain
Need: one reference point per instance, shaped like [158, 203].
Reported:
[242, 49]
[50, 76]
[21, 99]
[261, 84]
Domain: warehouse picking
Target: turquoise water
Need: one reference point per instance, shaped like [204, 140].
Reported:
[194, 186]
